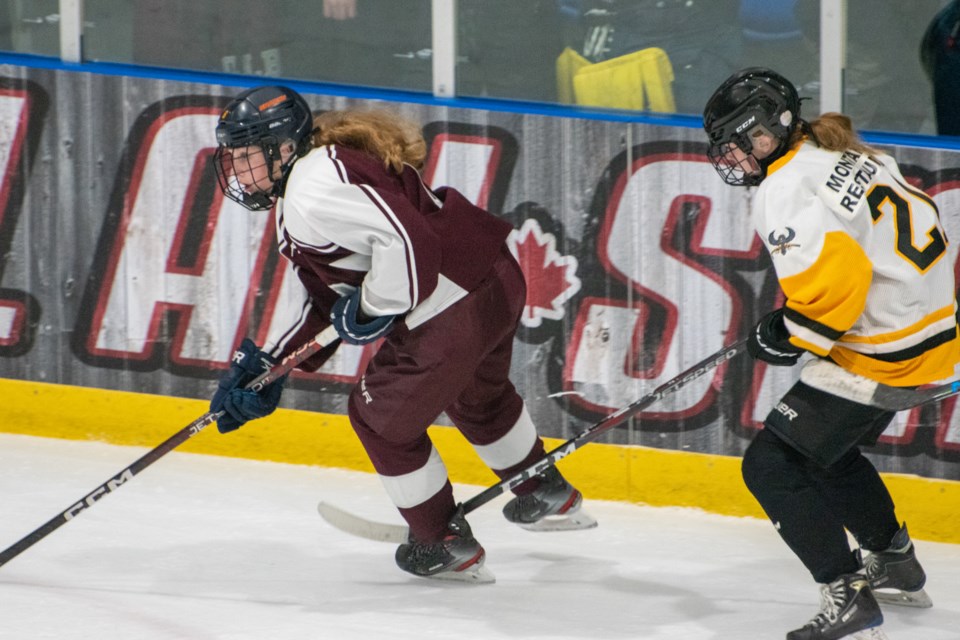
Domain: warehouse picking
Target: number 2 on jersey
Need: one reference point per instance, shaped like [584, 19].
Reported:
[884, 198]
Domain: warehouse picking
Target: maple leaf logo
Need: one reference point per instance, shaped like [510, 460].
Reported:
[551, 276]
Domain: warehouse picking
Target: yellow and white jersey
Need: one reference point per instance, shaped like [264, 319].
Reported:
[862, 258]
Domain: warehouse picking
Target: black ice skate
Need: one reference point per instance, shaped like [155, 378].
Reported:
[847, 610]
[553, 506]
[895, 575]
[457, 557]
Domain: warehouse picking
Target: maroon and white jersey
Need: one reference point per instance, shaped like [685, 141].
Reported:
[346, 221]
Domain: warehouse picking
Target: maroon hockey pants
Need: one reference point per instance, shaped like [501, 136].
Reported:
[458, 362]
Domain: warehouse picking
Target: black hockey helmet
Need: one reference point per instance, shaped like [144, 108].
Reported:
[751, 100]
[266, 117]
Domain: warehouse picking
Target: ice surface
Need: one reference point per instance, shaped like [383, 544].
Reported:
[206, 548]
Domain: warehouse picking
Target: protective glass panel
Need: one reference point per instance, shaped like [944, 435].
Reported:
[376, 43]
[887, 87]
[30, 26]
[656, 55]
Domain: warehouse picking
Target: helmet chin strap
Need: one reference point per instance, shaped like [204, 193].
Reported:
[775, 155]
[258, 201]
[766, 162]
[280, 184]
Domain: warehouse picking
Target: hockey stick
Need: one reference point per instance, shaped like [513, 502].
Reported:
[827, 376]
[824, 375]
[899, 399]
[321, 340]
[383, 532]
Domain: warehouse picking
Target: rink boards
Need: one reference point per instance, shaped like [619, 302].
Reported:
[126, 280]
[610, 472]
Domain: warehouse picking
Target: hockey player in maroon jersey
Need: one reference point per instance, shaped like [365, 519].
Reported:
[861, 258]
[381, 255]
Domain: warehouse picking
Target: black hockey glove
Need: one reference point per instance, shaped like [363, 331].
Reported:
[354, 326]
[770, 341]
[242, 405]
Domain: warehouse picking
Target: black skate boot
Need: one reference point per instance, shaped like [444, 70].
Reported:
[847, 610]
[457, 557]
[553, 506]
[895, 575]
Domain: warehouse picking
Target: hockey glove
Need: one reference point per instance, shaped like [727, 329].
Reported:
[354, 326]
[242, 405]
[770, 341]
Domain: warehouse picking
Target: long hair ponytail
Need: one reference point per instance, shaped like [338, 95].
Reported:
[386, 135]
[834, 132]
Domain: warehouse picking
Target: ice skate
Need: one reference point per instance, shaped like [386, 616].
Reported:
[554, 506]
[457, 557]
[895, 575]
[848, 611]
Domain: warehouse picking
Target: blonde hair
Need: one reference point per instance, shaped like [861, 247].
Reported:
[834, 132]
[384, 134]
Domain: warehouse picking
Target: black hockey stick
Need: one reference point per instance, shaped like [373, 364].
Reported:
[900, 399]
[829, 377]
[398, 533]
[321, 340]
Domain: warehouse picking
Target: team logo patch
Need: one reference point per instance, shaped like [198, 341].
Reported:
[782, 242]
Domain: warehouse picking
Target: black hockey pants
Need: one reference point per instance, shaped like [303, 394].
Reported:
[811, 505]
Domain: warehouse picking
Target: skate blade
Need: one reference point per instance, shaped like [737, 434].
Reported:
[473, 575]
[918, 599]
[566, 522]
[874, 633]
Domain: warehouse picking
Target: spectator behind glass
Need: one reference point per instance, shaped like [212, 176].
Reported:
[700, 37]
[940, 56]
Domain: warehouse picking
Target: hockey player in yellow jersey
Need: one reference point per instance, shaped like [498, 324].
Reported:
[861, 258]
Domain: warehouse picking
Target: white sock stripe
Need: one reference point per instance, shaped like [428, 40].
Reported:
[418, 486]
[513, 446]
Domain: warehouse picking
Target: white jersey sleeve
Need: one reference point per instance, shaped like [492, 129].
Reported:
[322, 211]
[861, 258]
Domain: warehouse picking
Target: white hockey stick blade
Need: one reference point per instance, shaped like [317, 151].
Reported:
[361, 527]
[917, 599]
[579, 519]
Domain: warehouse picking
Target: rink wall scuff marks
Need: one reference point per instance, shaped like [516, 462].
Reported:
[126, 281]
